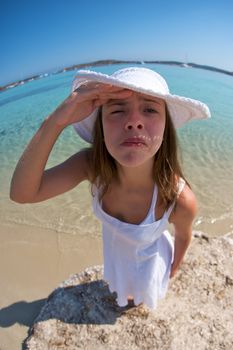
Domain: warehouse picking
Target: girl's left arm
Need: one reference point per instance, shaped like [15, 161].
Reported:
[182, 219]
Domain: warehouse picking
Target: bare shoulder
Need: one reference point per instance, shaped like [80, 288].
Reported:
[186, 202]
[186, 207]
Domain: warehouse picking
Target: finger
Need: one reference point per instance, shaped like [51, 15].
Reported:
[116, 94]
[97, 87]
[99, 95]
[112, 88]
[105, 97]
[91, 86]
[97, 103]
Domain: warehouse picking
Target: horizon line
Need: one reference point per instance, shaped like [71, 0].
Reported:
[114, 61]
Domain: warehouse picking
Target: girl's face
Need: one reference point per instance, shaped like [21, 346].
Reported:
[133, 128]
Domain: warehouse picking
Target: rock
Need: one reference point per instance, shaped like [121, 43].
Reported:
[197, 312]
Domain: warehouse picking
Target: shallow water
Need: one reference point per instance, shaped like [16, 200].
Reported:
[207, 150]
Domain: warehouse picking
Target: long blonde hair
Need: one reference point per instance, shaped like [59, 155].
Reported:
[166, 169]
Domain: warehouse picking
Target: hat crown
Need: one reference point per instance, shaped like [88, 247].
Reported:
[142, 78]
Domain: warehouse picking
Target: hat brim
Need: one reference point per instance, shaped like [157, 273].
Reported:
[181, 109]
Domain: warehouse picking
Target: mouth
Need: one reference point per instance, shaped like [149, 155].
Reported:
[135, 142]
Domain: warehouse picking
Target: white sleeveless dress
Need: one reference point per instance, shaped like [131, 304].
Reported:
[137, 258]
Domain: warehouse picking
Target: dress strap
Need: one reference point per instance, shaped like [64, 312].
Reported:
[150, 217]
[153, 203]
[94, 190]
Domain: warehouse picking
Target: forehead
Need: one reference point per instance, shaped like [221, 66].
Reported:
[136, 97]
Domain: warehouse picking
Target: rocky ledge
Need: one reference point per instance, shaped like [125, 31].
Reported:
[197, 312]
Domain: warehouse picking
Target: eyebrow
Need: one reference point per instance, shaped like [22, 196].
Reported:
[115, 102]
[123, 102]
[150, 100]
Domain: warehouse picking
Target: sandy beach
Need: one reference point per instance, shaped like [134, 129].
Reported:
[31, 266]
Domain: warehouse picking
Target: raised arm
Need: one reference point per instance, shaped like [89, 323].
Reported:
[30, 182]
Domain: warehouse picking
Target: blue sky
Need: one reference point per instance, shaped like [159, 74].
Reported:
[39, 36]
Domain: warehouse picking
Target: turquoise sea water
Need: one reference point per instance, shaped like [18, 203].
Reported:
[207, 150]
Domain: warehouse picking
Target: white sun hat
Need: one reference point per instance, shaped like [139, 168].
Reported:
[145, 81]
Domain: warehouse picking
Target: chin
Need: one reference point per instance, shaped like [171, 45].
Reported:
[132, 158]
[132, 161]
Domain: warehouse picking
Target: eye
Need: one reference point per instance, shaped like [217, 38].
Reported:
[117, 111]
[150, 110]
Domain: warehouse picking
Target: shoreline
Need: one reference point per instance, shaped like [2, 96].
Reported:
[111, 62]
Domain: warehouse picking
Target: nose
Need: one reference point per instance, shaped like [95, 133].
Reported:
[134, 121]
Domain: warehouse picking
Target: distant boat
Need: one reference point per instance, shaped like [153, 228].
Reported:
[142, 62]
[185, 65]
[43, 75]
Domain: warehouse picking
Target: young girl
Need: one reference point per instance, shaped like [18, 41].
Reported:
[137, 183]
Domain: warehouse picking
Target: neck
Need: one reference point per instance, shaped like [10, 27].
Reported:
[136, 177]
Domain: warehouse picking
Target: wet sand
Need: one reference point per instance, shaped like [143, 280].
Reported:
[32, 264]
